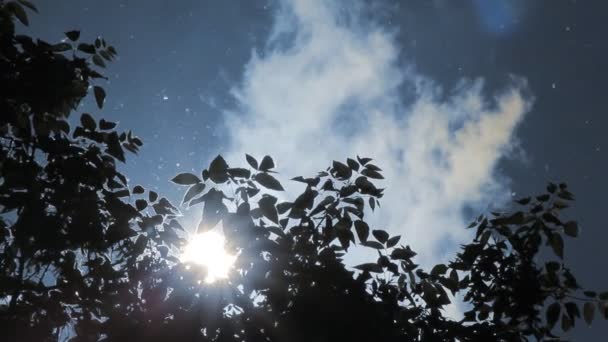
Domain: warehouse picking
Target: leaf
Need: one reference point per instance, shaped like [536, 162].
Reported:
[28, 5]
[266, 164]
[588, 312]
[352, 164]
[363, 161]
[393, 241]
[87, 121]
[73, 35]
[193, 191]
[566, 323]
[252, 162]
[523, 201]
[603, 296]
[19, 12]
[439, 269]
[557, 244]
[372, 167]
[553, 312]
[98, 61]
[372, 244]
[152, 196]
[340, 170]
[268, 181]
[100, 96]
[186, 178]
[372, 174]
[218, 170]
[403, 253]
[114, 148]
[571, 229]
[138, 189]
[268, 209]
[362, 230]
[380, 235]
[86, 48]
[372, 203]
[141, 204]
[106, 125]
[370, 267]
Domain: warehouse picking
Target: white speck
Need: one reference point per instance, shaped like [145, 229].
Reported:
[553, 85]
[187, 110]
[597, 148]
[177, 164]
[513, 194]
[567, 28]
[165, 97]
[546, 167]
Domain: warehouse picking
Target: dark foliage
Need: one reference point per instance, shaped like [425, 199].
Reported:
[85, 257]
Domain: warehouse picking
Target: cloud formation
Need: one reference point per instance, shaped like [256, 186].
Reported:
[329, 85]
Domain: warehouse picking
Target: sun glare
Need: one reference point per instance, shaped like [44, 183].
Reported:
[207, 249]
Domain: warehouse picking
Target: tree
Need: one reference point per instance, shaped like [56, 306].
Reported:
[68, 239]
[86, 257]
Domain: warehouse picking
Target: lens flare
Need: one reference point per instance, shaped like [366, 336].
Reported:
[207, 249]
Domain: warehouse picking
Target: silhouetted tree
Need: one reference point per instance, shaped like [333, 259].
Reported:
[85, 257]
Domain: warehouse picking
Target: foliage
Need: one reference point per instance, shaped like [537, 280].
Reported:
[86, 257]
[69, 241]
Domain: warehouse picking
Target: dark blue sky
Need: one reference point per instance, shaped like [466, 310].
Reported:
[179, 61]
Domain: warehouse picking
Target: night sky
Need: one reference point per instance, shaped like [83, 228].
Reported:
[197, 77]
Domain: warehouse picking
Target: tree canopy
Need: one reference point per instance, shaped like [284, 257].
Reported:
[86, 256]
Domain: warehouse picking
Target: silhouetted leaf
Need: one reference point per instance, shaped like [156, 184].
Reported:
[372, 174]
[266, 204]
[571, 229]
[252, 162]
[363, 161]
[185, 179]
[589, 312]
[370, 267]
[98, 61]
[193, 191]
[152, 196]
[73, 35]
[138, 189]
[268, 181]
[218, 170]
[393, 241]
[372, 244]
[439, 269]
[86, 48]
[362, 230]
[553, 312]
[266, 164]
[380, 235]
[557, 244]
[106, 125]
[19, 12]
[100, 96]
[28, 5]
[352, 164]
[340, 170]
[141, 204]
[87, 121]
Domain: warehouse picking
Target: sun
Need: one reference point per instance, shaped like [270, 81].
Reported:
[207, 249]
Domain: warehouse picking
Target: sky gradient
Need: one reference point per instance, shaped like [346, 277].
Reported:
[464, 104]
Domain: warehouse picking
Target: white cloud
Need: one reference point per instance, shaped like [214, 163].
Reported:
[328, 87]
